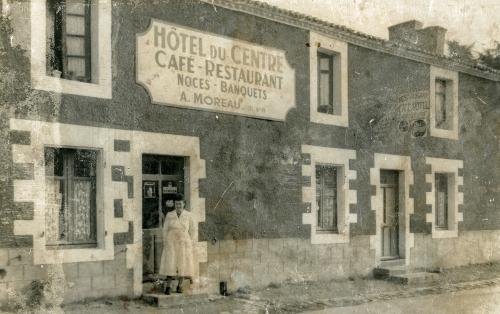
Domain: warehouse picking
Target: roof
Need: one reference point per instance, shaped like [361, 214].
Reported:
[349, 35]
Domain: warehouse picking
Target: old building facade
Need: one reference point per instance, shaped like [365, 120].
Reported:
[305, 150]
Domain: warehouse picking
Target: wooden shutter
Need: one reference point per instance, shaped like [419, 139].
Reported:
[441, 200]
[440, 102]
[72, 38]
[326, 197]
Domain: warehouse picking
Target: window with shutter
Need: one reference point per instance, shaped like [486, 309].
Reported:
[328, 80]
[71, 196]
[69, 39]
[441, 200]
[325, 83]
[326, 198]
[441, 104]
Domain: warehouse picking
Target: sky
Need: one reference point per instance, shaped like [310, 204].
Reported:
[467, 21]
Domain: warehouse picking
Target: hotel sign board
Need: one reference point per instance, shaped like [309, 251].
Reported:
[186, 68]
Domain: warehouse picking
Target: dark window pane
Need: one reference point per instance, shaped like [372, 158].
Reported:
[150, 165]
[325, 83]
[75, 46]
[172, 166]
[75, 25]
[75, 7]
[85, 163]
[324, 63]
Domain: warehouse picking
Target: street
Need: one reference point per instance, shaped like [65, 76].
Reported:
[477, 301]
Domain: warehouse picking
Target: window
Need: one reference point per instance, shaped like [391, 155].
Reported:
[68, 36]
[443, 103]
[325, 85]
[328, 75]
[71, 47]
[444, 198]
[441, 200]
[71, 196]
[326, 198]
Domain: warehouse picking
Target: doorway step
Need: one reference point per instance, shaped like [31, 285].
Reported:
[397, 271]
[174, 300]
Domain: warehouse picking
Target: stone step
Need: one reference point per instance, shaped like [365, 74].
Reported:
[392, 263]
[174, 299]
[414, 278]
[384, 273]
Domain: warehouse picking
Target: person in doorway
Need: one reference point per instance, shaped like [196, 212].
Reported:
[178, 237]
[169, 206]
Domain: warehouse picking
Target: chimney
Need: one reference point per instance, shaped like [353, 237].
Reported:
[431, 39]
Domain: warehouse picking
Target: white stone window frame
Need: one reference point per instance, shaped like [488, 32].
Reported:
[455, 198]
[345, 196]
[100, 87]
[69, 135]
[327, 45]
[451, 79]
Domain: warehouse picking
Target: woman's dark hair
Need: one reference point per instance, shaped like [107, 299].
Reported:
[178, 197]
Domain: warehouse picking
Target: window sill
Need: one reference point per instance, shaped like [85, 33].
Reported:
[444, 233]
[71, 246]
[444, 133]
[60, 85]
[326, 231]
[331, 119]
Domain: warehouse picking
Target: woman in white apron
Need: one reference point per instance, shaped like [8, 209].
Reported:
[178, 237]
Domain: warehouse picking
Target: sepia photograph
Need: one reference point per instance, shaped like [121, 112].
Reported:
[249, 156]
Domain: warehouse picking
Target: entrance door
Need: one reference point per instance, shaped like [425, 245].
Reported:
[162, 178]
[389, 182]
